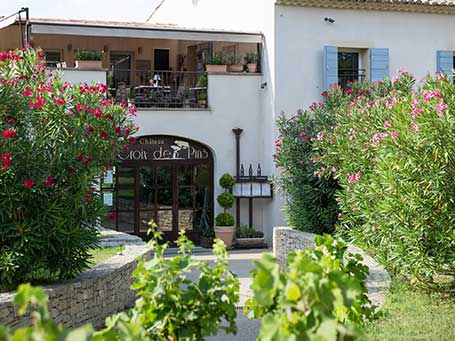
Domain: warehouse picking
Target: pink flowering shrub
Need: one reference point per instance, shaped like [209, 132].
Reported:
[55, 139]
[392, 150]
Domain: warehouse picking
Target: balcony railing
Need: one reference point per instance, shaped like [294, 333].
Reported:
[160, 89]
[347, 76]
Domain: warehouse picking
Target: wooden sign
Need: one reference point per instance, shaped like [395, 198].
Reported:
[155, 148]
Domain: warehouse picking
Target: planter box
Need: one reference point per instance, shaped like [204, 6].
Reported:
[89, 64]
[249, 243]
[236, 68]
[216, 68]
[206, 242]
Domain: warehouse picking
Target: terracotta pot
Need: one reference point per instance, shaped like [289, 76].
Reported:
[216, 68]
[202, 103]
[252, 68]
[236, 68]
[89, 64]
[226, 234]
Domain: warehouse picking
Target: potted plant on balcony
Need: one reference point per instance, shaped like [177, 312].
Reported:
[248, 237]
[202, 100]
[131, 96]
[235, 64]
[89, 59]
[251, 60]
[217, 63]
[225, 222]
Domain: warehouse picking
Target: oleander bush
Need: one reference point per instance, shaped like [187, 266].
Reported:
[320, 295]
[55, 140]
[392, 151]
[310, 203]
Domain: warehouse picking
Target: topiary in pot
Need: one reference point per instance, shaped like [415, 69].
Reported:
[225, 222]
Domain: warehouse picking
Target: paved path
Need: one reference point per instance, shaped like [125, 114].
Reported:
[241, 263]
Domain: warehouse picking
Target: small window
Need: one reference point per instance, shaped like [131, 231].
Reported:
[53, 58]
[348, 69]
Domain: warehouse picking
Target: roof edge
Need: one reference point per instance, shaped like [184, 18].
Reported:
[374, 5]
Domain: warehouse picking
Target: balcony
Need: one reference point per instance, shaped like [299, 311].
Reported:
[159, 89]
[348, 76]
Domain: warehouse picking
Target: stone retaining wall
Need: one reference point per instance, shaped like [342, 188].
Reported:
[286, 240]
[91, 297]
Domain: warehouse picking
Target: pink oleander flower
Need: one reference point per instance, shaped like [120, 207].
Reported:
[38, 103]
[391, 103]
[353, 178]
[414, 127]
[27, 92]
[49, 181]
[441, 107]
[415, 102]
[416, 112]
[320, 136]
[387, 125]
[393, 135]
[60, 101]
[6, 161]
[277, 143]
[9, 133]
[29, 183]
[376, 138]
[428, 95]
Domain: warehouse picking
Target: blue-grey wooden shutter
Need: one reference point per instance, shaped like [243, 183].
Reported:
[444, 62]
[330, 66]
[379, 64]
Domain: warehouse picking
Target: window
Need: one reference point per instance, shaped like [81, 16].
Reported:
[53, 57]
[161, 60]
[348, 68]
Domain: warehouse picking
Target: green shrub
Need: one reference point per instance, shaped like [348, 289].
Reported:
[88, 55]
[252, 58]
[55, 141]
[173, 303]
[217, 59]
[234, 60]
[310, 203]
[226, 200]
[248, 232]
[321, 294]
[227, 181]
[392, 149]
[224, 219]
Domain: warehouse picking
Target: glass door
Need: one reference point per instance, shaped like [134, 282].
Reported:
[156, 199]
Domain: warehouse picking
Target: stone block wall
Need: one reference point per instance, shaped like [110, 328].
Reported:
[286, 240]
[89, 298]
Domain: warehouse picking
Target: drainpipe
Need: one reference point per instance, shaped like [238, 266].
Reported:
[237, 132]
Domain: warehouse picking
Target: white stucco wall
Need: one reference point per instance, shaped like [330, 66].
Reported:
[301, 33]
[235, 101]
[76, 76]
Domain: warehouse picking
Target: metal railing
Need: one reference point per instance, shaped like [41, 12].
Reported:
[159, 89]
[348, 76]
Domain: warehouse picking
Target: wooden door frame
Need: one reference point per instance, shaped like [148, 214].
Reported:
[193, 235]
